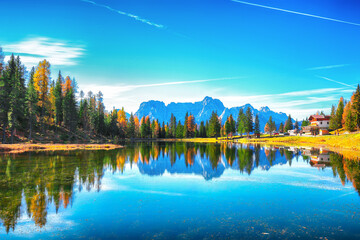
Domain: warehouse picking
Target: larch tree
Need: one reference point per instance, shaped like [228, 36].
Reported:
[122, 122]
[41, 82]
[267, 128]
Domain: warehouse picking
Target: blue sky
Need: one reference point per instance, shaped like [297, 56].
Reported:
[293, 56]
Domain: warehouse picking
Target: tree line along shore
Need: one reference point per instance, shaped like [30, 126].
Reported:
[35, 108]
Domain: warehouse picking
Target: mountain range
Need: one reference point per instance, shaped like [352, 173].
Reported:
[202, 111]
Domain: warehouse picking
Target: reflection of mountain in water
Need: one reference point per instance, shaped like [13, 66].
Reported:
[202, 165]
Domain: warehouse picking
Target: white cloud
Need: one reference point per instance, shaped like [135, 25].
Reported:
[33, 50]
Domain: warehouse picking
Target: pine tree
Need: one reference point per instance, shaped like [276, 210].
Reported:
[100, 129]
[272, 126]
[296, 125]
[356, 107]
[339, 113]
[214, 125]
[241, 120]
[8, 75]
[288, 124]
[281, 128]
[185, 128]
[131, 126]
[16, 114]
[333, 123]
[172, 126]
[69, 109]
[59, 100]
[257, 125]
[179, 130]
[249, 125]
[202, 130]
[31, 101]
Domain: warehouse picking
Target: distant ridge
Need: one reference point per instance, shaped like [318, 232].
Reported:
[202, 111]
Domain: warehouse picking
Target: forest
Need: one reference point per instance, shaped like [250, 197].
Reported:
[36, 108]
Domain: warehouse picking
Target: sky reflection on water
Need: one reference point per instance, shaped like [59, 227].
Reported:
[180, 190]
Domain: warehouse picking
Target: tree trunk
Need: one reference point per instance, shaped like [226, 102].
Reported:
[4, 133]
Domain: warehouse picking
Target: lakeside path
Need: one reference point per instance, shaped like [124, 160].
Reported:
[27, 147]
[347, 144]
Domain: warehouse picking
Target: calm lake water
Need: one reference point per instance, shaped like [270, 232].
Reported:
[180, 191]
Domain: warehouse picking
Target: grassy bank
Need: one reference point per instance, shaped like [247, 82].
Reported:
[24, 147]
[347, 144]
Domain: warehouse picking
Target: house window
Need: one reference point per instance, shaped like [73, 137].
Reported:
[320, 122]
[321, 159]
[327, 122]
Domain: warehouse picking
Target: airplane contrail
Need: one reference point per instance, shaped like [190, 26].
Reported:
[331, 80]
[298, 13]
[137, 18]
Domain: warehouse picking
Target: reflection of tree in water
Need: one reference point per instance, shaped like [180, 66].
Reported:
[346, 169]
[270, 155]
[49, 178]
[245, 159]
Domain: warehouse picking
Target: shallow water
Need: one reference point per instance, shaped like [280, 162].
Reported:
[180, 191]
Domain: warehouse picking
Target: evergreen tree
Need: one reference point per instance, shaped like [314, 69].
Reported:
[185, 127]
[356, 107]
[257, 125]
[249, 125]
[214, 125]
[131, 127]
[241, 122]
[8, 75]
[16, 114]
[69, 110]
[281, 128]
[59, 100]
[272, 126]
[31, 100]
[333, 122]
[339, 113]
[179, 130]
[305, 122]
[288, 124]
[172, 126]
[100, 129]
[296, 125]
[202, 130]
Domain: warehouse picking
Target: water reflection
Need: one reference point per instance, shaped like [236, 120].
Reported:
[34, 181]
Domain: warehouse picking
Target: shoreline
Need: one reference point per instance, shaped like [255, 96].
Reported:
[347, 144]
[31, 147]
